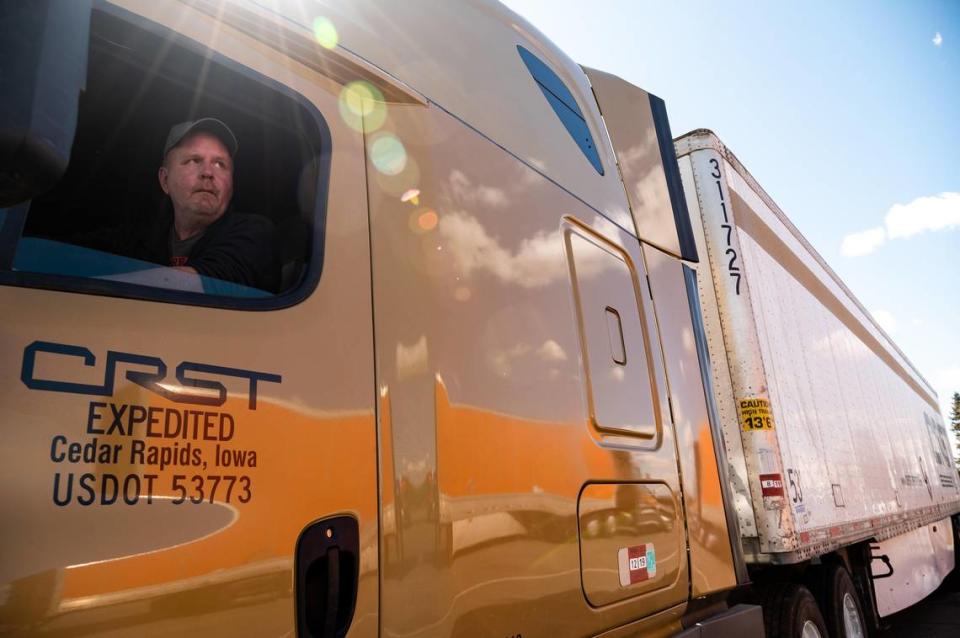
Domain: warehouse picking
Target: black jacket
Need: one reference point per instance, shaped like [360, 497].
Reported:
[237, 247]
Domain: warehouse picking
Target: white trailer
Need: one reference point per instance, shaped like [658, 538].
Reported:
[832, 437]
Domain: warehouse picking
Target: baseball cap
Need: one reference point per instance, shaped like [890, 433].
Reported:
[206, 125]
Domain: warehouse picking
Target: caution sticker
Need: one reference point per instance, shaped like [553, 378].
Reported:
[755, 414]
[637, 564]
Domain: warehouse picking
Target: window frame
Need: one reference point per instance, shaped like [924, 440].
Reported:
[310, 278]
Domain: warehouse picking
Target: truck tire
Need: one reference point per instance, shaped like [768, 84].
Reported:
[839, 601]
[790, 611]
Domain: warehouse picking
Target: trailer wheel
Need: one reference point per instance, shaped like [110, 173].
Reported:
[839, 601]
[790, 611]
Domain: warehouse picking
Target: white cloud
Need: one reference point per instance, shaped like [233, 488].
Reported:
[465, 191]
[502, 360]
[538, 261]
[886, 320]
[937, 39]
[412, 359]
[551, 351]
[924, 214]
[863, 243]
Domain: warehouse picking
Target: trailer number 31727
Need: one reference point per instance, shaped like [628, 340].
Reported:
[732, 268]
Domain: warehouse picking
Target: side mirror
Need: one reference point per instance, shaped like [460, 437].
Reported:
[43, 48]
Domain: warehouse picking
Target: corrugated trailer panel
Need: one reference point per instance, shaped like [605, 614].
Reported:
[861, 448]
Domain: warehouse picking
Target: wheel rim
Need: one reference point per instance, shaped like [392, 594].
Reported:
[851, 618]
[810, 630]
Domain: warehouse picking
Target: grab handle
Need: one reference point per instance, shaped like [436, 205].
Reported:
[327, 571]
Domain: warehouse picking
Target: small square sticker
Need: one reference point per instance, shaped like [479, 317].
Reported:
[771, 485]
[637, 564]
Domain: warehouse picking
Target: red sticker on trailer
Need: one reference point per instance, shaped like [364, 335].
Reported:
[771, 484]
[637, 564]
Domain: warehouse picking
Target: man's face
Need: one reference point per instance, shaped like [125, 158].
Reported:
[198, 176]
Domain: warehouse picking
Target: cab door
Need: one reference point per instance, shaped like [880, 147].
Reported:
[507, 500]
[632, 538]
[184, 456]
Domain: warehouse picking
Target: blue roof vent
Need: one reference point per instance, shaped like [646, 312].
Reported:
[566, 108]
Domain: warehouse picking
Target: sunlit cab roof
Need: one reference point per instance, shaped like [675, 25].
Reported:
[463, 57]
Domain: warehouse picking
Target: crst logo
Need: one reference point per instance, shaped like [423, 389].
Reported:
[149, 379]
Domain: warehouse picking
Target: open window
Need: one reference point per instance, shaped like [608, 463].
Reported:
[139, 81]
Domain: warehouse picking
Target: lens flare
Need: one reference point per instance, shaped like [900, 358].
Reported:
[325, 33]
[411, 195]
[397, 185]
[462, 293]
[423, 220]
[362, 106]
[388, 154]
[427, 220]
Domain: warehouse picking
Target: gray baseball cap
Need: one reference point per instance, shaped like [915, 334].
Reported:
[206, 125]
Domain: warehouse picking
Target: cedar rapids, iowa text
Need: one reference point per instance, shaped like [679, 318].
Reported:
[131, 445]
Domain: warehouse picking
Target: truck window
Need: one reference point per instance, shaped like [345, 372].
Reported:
[564, 105]
[88, 231]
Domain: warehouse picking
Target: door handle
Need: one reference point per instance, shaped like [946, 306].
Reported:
[327, 571]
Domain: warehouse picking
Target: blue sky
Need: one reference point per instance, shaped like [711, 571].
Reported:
[841, 110]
